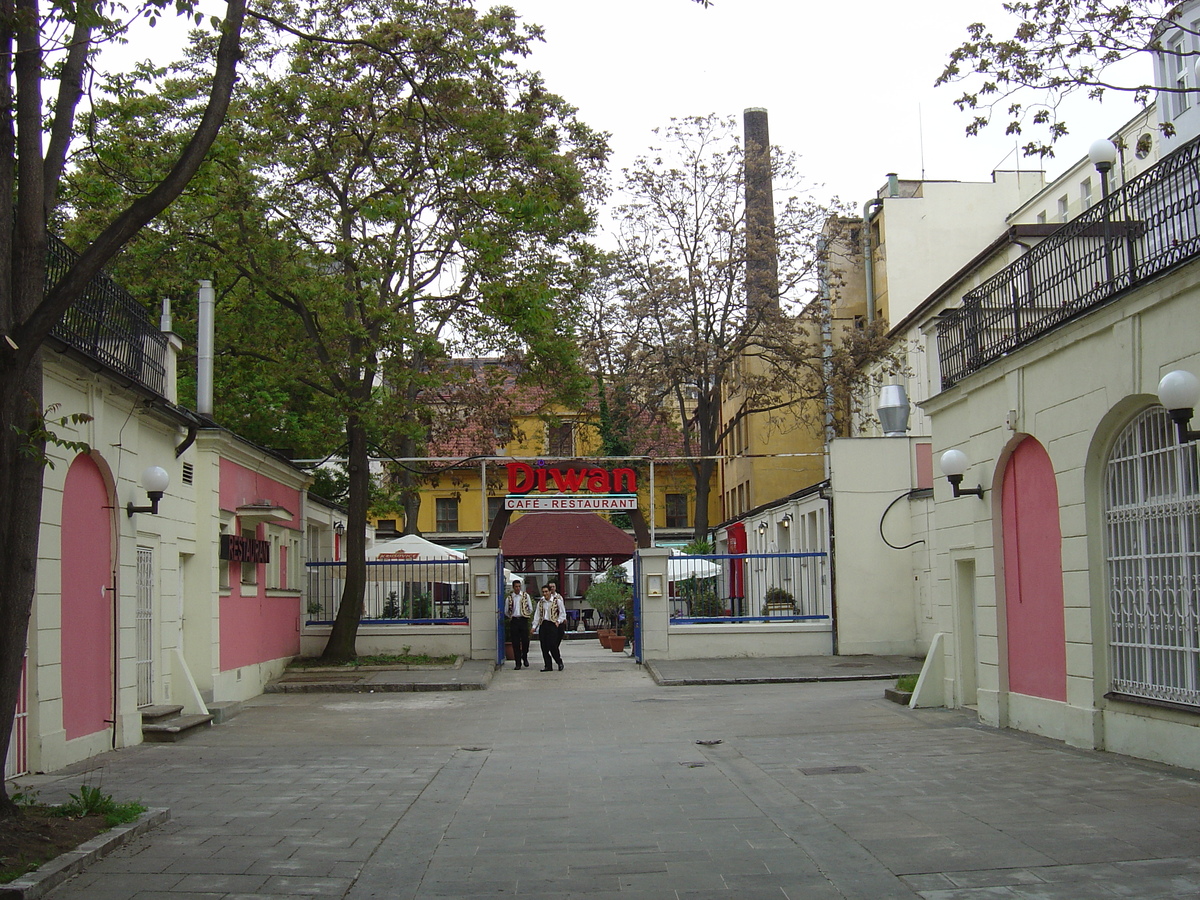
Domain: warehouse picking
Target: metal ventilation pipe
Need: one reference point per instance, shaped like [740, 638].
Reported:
[206, 337]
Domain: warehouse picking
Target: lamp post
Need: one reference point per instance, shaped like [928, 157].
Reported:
[1103, 153]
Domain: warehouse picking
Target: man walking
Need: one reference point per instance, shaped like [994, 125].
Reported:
[517, 610]
[551, 613]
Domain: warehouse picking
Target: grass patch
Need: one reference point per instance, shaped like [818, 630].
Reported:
[42, 832]
[907, 683]
[407, 658]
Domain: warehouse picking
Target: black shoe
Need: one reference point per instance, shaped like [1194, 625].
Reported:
[518, 665]
[546, 670]
[560, 667]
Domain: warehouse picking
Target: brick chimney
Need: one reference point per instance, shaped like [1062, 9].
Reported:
[762, 263]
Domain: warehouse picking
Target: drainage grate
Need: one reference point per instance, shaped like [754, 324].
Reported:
[834, 770]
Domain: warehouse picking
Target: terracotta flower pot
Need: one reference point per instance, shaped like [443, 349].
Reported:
[616, 643]
[508, 650]
[602, 635]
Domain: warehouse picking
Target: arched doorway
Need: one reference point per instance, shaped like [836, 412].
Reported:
[87, 598]
[1033, 579]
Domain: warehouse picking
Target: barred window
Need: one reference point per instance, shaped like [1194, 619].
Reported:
[1152, 520]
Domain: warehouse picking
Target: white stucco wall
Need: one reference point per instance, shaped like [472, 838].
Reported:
[1072, 390]
[881, 593]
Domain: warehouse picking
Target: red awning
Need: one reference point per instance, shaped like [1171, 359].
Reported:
[565, 534]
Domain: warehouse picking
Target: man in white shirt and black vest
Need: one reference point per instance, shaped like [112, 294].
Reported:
[518, 609]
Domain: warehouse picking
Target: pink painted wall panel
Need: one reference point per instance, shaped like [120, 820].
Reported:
[241, 487]
[1033, 579]
[87, 600]
[924, 454]
[257, 628]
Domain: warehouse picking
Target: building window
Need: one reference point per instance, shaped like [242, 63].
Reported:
[1151, 507]
[1179, 62]
[249, 569]
[1063, 207]
[447, 514]
[677, 511]
[560, 440]
[385, 527]
[495, 504]
[1085, 193]
[1041, 217]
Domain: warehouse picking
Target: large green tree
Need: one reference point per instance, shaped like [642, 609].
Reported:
[396, 193]
[48, 51]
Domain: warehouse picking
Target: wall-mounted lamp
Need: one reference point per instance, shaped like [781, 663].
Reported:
[154, 480]
[1179, 392]
[762, 528]
[786, 521]
[954, 464]
[339, 528]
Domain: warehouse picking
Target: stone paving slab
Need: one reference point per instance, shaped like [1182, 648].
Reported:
[591, 783]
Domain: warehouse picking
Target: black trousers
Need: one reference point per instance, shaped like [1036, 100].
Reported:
[518, 635]
[549, 637]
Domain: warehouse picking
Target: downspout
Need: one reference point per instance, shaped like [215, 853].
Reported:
[826, 342]
[868, 255]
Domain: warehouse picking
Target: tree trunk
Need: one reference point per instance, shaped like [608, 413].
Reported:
[21, 499]
[344, 634]
[704, 469]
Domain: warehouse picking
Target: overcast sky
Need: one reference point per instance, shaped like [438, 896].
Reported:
[848, 86]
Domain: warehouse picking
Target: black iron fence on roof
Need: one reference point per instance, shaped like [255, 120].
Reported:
[1141, 230]
[108, 325]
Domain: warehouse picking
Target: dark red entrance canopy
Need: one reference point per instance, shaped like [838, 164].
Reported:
[565, 534]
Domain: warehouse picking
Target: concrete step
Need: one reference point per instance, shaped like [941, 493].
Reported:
[159, 713]
[174, 729]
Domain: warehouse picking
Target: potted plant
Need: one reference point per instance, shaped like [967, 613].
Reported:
[778, 600]
[608, 596]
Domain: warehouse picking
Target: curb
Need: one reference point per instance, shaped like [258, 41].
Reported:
[664, 681]
[45, 878]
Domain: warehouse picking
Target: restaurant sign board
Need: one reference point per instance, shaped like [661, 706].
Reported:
[570, 489]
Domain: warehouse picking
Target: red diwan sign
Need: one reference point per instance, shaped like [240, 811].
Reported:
[523, 478]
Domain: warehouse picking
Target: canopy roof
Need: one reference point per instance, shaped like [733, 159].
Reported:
[415, 544]
[565, 534]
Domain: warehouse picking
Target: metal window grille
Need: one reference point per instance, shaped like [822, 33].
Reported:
[144, 616]
[1152, 517]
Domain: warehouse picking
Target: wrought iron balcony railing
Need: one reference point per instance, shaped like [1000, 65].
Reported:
[1145, 228]
[110, 326]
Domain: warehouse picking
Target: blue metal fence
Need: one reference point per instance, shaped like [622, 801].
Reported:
[403, 592]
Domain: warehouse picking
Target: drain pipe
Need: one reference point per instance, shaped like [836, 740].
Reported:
[823, 297]
[204, 350]
[868, 256]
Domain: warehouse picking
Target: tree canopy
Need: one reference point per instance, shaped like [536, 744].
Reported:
[676, 329]
[389, 195]
[1059, 48]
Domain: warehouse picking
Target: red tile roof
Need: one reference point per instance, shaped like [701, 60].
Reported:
[565, 534]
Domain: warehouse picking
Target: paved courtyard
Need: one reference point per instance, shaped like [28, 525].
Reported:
[597, 783]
